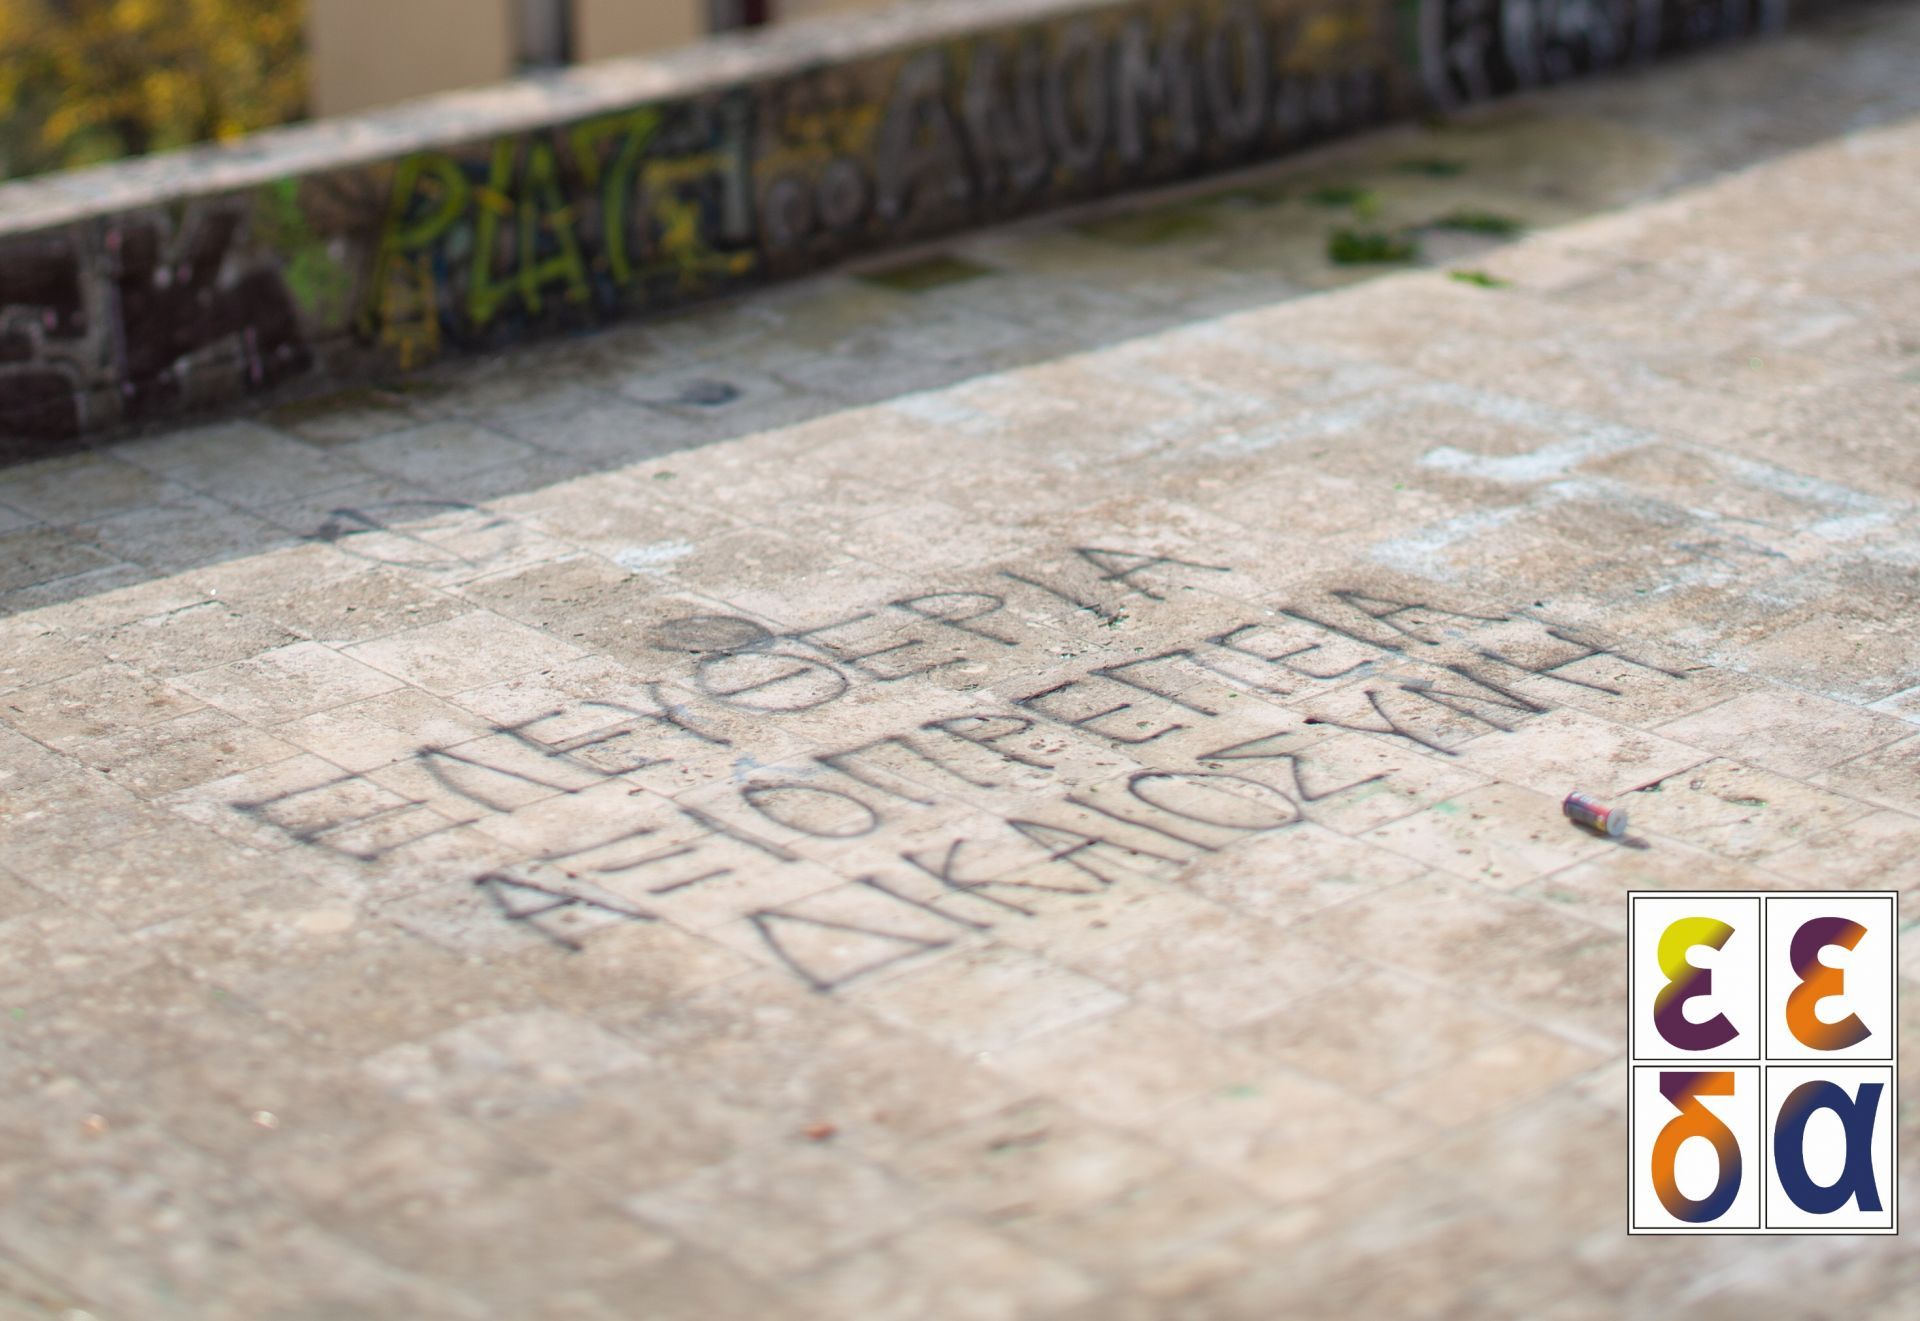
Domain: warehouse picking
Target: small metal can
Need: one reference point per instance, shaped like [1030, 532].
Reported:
[1595, 815]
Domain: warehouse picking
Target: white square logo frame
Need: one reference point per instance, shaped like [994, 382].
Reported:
[1763, 1043]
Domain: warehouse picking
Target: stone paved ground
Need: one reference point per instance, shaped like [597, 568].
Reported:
[495, 850]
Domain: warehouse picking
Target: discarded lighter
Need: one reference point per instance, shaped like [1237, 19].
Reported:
[1596, 815]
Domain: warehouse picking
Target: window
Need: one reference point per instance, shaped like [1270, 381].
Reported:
[741, 14]
[545, 37]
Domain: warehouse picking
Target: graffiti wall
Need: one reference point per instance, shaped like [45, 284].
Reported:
[120, 319]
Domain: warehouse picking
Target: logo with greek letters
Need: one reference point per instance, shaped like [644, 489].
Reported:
[1763, 1062]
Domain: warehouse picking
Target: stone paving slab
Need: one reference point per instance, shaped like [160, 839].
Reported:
[1019, 785]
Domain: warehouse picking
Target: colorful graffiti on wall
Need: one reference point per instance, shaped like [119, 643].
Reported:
[1473, 50]
[150, 319]
[121, 319]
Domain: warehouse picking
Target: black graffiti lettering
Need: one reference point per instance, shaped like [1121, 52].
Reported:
[731, 135]
[490, 785]
[1464, 54]
[954, 616]
[1566, 37]
[41, 277]
[704, 635]
[1236, 75]
[770, 923]
[1646, 25]
[1248, 805]
[1502, 694]
[348, 814]
[946, 870]
[668, 715]
[615, 749]
[608, 749]
[1261, 749]
[1593, 649]
[1469, 705]
[1585, 649]
[1121, 566]
[616, 856]
[369, 531]
[373, 837]
[41, 404]
[1393, 727]
[840, 761]
[919, 150]
[878, 886]
[845, 764]
[1082, 851]
[167, 310]
[660, 857]
[786, 213]
[795, 206]
[41, 300]
[1005, 119]
[1388, 612]
[1231, 641]
[1087, 722]
[1258, 683]
[1119, 674]
[1163, 831]
[1077, 104]
[1472, 50]
[1327, 626]
[719, 827]
[841, 195]
[857, 660]
[1548, 671]
[1100, 612]
[782, 684]
[973, 729]
[525, 901]
[802, 810]
[1321, 104]
[1457, 49]
[1155, 79]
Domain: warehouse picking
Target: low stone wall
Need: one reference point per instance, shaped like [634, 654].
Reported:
[361, 247]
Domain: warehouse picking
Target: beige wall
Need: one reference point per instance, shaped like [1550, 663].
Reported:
[785, 11]
[368, 53]
[365, 53]
[603, 29]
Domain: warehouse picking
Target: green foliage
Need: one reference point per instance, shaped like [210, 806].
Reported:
[1150, 228]
[1343, 194]
[320, 285]
[1479, 279]
[1360, 247]
[922, 274]
[92, 80]
[1480, 222]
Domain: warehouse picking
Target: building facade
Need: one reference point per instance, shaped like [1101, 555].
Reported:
[369, 53]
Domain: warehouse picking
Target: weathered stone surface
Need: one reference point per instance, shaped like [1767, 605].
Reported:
[1020, 787]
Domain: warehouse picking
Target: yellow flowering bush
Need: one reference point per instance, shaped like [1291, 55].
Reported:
[83, 81]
